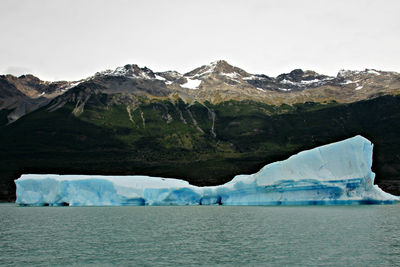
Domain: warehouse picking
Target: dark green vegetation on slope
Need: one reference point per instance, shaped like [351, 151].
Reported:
[205, 144]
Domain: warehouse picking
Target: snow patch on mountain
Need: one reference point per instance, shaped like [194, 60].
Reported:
[191, 83]
[347, 82]
[158, 77]
[373, 72]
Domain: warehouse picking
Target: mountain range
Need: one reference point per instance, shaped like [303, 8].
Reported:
[203, 126]
[216, 83]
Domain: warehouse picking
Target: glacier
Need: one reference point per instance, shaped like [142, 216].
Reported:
[335, 174]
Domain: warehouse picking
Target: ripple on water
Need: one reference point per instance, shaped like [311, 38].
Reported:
[199, 235]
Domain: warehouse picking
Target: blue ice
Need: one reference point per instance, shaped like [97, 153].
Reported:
[335, 174]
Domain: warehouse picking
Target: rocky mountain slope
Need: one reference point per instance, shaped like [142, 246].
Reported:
[21, 95]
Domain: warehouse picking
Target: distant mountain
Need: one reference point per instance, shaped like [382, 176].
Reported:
[21, 95]
[203, 126]
[216, 82]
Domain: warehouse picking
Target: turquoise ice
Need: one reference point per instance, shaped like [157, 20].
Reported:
[338, 173]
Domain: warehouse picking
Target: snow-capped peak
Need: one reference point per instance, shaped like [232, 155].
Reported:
[347, 73]
[130, 71]
[217, 68]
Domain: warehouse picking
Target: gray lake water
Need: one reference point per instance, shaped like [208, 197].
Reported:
[200, 235]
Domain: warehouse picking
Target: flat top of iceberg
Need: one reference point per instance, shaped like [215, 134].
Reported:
[138, 181]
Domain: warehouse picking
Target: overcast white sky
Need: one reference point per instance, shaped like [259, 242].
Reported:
[59, 39]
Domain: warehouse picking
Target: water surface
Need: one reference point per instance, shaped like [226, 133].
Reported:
[200, 235]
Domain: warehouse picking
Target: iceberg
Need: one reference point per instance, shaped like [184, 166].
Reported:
[335, 174]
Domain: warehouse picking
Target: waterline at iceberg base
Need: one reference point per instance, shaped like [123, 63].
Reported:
[335, 174]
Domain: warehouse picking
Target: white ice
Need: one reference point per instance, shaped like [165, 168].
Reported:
[338, 173]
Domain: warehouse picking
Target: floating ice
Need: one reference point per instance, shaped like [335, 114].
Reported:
[338, 173]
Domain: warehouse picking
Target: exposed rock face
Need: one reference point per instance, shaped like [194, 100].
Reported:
[33, 87]
[21, 95]
[216, 83]
[15, 103]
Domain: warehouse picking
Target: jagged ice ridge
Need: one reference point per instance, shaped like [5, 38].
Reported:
[338, 173]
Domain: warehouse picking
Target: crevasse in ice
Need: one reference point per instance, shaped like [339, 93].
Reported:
[338, 173]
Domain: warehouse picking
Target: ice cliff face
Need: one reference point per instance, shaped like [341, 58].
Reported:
[338, 173]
